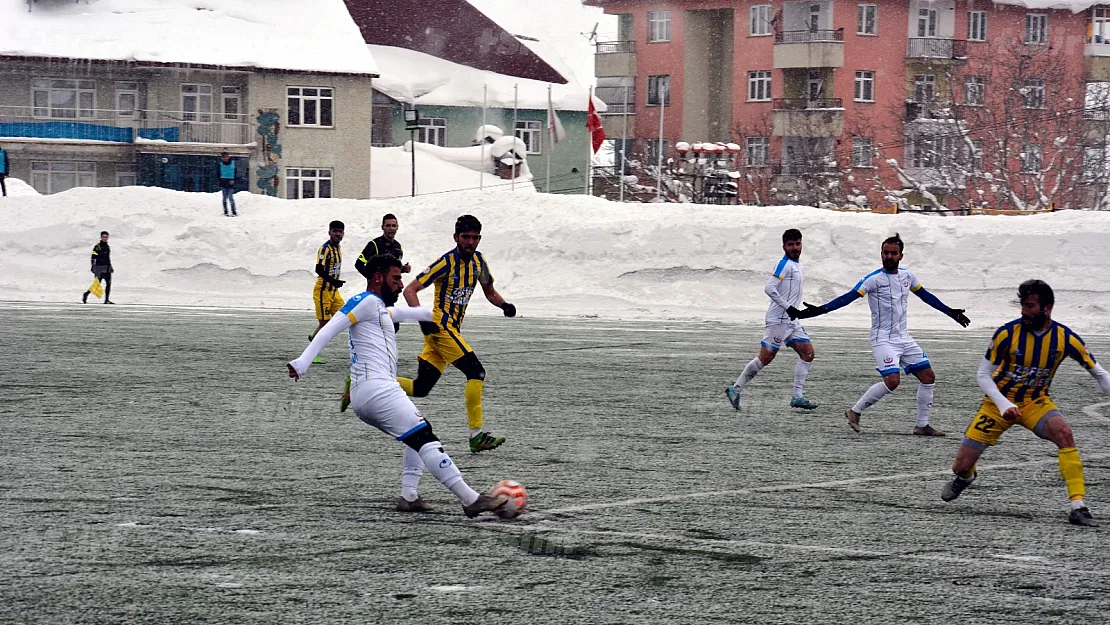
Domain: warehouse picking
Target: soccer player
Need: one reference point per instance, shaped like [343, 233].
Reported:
[784, 287]
[329, 263]
[385, 244]
[887, 291]
[455, 275]
[377, 398]
[102, 267]
[1016, 374]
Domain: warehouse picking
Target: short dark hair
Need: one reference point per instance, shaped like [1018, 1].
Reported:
[103, 232]
[895, 240]
[792, 234]
[335, 225]
[389, 216]
[380, 264]
[223, 154]
[1039, 288]
[467, 223]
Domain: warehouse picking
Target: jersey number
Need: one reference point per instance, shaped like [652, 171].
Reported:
[985, 424]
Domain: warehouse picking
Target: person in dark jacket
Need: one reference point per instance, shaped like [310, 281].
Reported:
[228, 182]
[102, 267]
[385, 244]
[5, 167]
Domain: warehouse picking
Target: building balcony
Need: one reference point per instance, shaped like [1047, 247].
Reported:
[615, 58]
[621, 108]
[916, 111]
[935, 49]
[1097, 61]
[801, 117]
[118, 126]
[808, 48]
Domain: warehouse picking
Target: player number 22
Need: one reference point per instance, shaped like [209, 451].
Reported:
[985, 424]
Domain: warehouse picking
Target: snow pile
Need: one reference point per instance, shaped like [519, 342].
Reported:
[275, 34]
[552, 255]
[438, 170]
[17, 188]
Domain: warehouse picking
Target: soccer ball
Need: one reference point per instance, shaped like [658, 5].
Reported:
[518, 498]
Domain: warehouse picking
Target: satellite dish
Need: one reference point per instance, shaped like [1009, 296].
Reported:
[592, 35]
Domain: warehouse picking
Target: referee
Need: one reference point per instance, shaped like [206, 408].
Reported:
[385, 244]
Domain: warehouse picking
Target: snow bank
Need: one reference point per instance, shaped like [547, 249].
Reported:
[552, 255]
[18, 188]
[438, 170]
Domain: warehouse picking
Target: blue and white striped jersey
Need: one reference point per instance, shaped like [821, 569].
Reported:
[888, 296]
[786, 283]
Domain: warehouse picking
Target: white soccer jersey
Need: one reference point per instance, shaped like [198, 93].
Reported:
[888, 296]
[785, 289]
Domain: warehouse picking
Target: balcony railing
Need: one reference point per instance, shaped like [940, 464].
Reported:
[802, 169]
[615, 99]
[616, 47]
[928, 110]
[933, 48]
[804, 104]
[118, 126]
[808, 36]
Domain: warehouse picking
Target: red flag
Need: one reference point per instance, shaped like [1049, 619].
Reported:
[593, 124]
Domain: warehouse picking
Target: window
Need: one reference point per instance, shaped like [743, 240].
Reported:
[231, 106]
[759, 86]
[1033, 94]
[974, 91]
[530, 133]
[759, 22]
[432, 130]
[865, 86]
[976, 25]
[659, 89]
[867, 19]
[54, 177]
[196, 103]
[1094, 164]
[309, 106]
[126, 175]
[1100, 25]
[1036, 28]
[924, 88]
[303, 184]
[1031, 156]
[652, 151]
[863, 151]
[64, 99]
[976, 155]
[926, 22]
[759, 151]
[931, 151]
[659, 26]
[127, 100]
[814, 18]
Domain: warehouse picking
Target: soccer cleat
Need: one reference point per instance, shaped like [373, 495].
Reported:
[85, 298]
[484, 503]
[108, 301]
[417, 505]
[953, 488]
[853, 419]
[733, 396]
[483, 441]
[1082, 516]
[927, 430]
[346, 401]
[319, 361]
[803, 403]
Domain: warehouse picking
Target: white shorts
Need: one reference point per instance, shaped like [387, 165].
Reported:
[893, 354]
[386, 407]
[779, 334]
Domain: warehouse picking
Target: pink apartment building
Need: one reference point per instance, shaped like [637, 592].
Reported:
[930, 103]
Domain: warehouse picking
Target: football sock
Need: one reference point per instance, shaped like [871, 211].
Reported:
[406, 385]
[754, 367]
[924, 403]
[871, 396]
[474, 403]
[475, 431]
[1071, 469]
[967, 475]
[441, 466]
[801, 370]
[410, 474]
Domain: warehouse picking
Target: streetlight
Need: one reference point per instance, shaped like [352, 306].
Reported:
[412, 121]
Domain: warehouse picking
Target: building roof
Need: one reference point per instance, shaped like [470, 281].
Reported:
[317, 36]
[1075, 6]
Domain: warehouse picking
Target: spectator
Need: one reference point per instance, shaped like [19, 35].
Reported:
[4, 168]
[228, 182]
[102, 267]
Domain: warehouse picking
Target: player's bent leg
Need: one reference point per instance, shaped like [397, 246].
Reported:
[426, 377]
[475, 373]
[766, 355]
[1052, 426]
[804, 349]
[964, 468]
[924, 373]
[440, 465]
[411, 471]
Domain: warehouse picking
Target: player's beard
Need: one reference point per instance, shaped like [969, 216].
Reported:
[389, 296]
[1034, 321]
[890, 266]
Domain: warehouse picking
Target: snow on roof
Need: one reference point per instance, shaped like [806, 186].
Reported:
[1075, 6]
[317, 36]
[417, 78]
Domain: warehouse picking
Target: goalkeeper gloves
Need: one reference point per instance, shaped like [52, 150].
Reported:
[509, 309]
[959, 317]
[809, 312]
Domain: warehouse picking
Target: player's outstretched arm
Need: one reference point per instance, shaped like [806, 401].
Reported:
[331, 329]
[410, 313]
[410, 293]
[495, 298]
[957, 314]
[816, 311]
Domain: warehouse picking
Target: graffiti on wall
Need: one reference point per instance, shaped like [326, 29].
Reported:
[269, 124]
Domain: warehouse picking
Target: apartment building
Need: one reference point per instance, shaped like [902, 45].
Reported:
[927, 103]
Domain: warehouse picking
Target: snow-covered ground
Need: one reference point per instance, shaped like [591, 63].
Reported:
[552, 255]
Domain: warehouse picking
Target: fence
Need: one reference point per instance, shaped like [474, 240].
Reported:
[124, 126]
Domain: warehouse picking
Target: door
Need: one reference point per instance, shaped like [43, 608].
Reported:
[815, 88]
[927, 23]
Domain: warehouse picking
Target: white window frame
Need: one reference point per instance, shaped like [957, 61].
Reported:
[758, 151]
[931, 151]
[865, 86]
[1100, 25]
[976, 25]
[297, 179]
[1033, 159]
[975, 91]
[921, 80]
[231, 94]
[863, 152]
[927, 22]
[301, 96]
[862, 26]
[44, 175]
[654, 88]
[432, 130]
[127, 175]
[659, 26]
[1036, 29]
[759, 20]
[1035, 93]
[759, 85]
[196, 102]
[531, 133]
[43, 92]
[127, 88]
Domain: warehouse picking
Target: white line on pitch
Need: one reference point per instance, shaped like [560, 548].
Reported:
[1093, 410]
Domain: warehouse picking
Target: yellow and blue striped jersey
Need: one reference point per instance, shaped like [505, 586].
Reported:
[331, 259]
[454, 279]
[1025, 361]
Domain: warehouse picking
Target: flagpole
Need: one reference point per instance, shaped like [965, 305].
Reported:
[659, 147]
[516, 102]
[589, 143]
[624, 142]
[482, 138]
[550, 139]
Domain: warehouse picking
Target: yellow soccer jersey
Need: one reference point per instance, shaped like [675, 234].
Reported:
[332, 260]
[1026, 361]
[454, 279]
